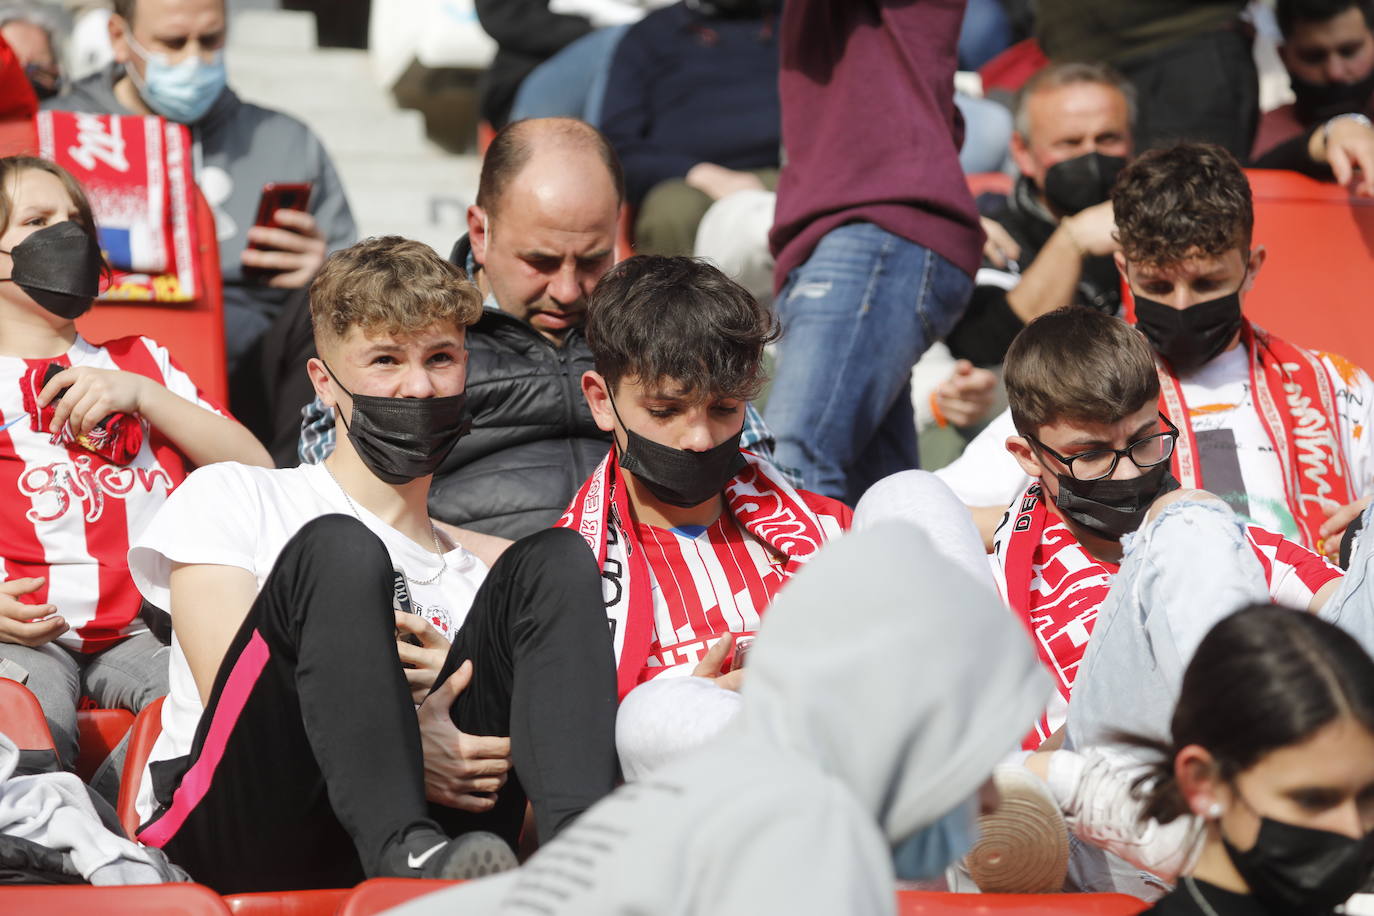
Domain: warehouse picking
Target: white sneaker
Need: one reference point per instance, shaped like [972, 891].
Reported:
[1093, 789]
[1023, 846]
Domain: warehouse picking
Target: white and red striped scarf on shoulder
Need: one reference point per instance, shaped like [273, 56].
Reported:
[766, 506]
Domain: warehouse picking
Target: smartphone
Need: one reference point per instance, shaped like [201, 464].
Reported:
[278, 195]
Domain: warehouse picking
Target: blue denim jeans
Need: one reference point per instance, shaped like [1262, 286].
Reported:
[1352, 607]
[572, 83]
[856, 316]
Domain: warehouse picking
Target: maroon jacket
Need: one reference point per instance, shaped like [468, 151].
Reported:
[869, 128]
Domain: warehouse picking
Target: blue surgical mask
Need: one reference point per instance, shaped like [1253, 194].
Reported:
[926, 854]
[180, 92]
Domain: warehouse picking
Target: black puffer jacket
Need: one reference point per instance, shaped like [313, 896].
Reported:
[533, 439]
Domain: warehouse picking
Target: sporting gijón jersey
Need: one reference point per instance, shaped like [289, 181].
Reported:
[68, 514]
[1055, 587]
[707, 583]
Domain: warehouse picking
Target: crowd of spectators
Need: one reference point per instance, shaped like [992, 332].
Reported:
[582, 479]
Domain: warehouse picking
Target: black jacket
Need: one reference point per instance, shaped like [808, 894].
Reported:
[526, 34]
[533, 439]
[989, 324]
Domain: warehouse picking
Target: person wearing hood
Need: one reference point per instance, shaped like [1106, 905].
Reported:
[1275, 429]
[169, 61]
[800, 804]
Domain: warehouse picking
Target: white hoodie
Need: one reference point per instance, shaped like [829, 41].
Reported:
[883, 687]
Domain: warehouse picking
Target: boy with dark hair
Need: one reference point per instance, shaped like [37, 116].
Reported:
[1084, 396]
[291, 754]
[694, 536]
[1277, 431]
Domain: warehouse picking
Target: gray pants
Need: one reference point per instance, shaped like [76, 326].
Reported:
[128, 675]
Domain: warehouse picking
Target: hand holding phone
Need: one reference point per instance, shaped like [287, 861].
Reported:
[283, 252]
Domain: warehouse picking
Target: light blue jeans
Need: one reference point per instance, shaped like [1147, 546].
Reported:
[572, 83]
[856, 316]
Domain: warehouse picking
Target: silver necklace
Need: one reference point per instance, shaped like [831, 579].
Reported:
[1196, 894]
[433, 532]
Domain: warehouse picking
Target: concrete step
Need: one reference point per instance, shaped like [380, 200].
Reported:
[456, 174]
[279, 30]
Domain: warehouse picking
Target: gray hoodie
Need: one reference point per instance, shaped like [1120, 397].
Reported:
[883, 687]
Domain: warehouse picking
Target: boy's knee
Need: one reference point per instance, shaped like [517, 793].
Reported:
[1180, 496]
[339, 539]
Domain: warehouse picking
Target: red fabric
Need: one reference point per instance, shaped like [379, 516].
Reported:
[17, 99]
[1011, 69]
[117, 439]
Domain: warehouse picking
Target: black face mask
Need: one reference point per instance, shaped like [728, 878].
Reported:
[1191, 337]
[1321, 102]
[401, 439]
[1077, 184]
[59, 267]
[1110, 508]
[1293, 869]
[677, 476]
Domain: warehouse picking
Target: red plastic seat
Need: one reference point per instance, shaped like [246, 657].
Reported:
[99, 731]
[147, 726]
[989, 183]
[924, 903]
[21, 718]
[134, 900]
[380, 894]
[323, 902]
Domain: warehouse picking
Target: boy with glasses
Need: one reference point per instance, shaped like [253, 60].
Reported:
[1084, 396]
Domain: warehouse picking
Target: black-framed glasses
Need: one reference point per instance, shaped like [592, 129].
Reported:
[1101, 463]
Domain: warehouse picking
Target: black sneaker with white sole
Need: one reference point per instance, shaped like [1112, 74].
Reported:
[429, 854]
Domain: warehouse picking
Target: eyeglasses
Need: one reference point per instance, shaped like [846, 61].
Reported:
[1101, 463]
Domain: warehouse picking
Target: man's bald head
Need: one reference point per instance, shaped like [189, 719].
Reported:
[519, 143]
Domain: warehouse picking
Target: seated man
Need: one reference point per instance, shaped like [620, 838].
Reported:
[1328, 50]
[694, 536]
[170, 62]
[1275, 430]
[290, 754]
[1084, 396]
[540, 236]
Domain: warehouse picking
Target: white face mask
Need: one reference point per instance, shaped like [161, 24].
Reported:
[180, 92]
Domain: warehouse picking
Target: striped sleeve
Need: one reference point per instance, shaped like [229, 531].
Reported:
[1293, 573]
[170, 374]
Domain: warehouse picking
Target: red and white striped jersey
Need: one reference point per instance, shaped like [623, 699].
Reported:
[719, 581]
[1058, 597]
[68, 514]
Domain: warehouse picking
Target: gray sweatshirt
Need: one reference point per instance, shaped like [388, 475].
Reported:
[883, 687]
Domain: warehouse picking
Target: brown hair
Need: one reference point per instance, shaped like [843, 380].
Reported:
[1057, 76]
[655, 318]
[1078, 364]
[13, 166]
[1189, 200]
[390, 285]
[512, 149]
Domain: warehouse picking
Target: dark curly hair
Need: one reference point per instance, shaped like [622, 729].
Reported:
[654, 318]
[1185, 201]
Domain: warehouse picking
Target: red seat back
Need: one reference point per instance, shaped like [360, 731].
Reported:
[21, 718]
[287, 903]
[99, 732]
[192, 331]
[147, 726]
[380, 894]
[1313, 290]
[989, 183]
[133, 900]
[924, 903]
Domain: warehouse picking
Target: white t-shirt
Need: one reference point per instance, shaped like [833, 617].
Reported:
[234, 515]
[1238, 459]
[68, 514]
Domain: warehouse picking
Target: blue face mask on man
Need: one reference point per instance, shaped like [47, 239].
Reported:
[180, 92]
[926, 854]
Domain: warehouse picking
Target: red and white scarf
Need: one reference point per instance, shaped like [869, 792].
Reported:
[766, 506]
[1297, 407]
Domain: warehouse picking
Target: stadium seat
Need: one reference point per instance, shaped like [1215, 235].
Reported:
[381, 894]
[21, 718]
[99, 732]
[924, 903]
[192, 331]
[989, 183]
[147, 726]
[1314, 288]
[134, 900]
[287, 903]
